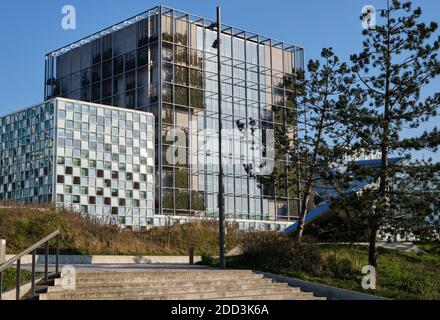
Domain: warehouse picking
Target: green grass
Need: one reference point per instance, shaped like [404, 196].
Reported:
[83, 235]
[400, 275]
[9, 278]
[432, 249]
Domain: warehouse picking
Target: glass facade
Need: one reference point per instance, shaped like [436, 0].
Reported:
[163, 61]
[26, 155]
[95, 159]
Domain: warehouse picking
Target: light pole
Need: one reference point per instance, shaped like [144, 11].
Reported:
[221, 185]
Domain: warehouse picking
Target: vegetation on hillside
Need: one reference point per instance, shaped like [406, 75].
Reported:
[22, 227]
[399, 275]
[9, 278]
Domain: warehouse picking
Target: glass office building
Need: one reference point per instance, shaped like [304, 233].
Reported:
[94, 159]
[163, 61]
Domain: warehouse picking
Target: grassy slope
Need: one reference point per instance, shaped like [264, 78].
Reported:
[82, 235]
[400, 275]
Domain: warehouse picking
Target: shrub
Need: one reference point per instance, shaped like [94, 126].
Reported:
[207, 259]
[276, 252]
[9, 278]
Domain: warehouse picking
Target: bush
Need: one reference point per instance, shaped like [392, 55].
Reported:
[275, 252]
[207, 259]
[9, 278]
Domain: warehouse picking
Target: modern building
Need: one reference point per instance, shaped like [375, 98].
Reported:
[164, 61]
[95, 159]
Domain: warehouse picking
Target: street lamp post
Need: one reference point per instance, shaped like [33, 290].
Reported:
[221, 191]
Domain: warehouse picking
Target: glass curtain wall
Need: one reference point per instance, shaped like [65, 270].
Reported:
[117, 68]
[256, 92]
[171, 53]
[26, 155]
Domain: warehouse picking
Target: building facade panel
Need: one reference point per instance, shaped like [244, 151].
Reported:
[91, 158]
[105, 162]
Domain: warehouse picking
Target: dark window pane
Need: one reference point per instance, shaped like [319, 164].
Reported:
[107, 47]
[142, 33]
[130, 81]
[130, 61]
[96, 51]
[118, 65]
[107, 69]
[96, 93]
[130, 99]
[142, 77]
[96, 73]
[85, 77]
[118, 84]
[142, 57]
[107, 88]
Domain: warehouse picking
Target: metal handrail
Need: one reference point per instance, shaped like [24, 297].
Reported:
[32, 249]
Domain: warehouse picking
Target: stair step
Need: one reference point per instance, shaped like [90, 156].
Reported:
[301, 296]
[161, 273]
[158, 278]
[167, 294]
[163, 284]
[174, 285]
[257, 288]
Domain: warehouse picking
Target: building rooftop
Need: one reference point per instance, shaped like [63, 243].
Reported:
[15, 111]
[203, 22]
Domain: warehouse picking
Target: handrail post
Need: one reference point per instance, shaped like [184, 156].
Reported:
[46, 263]
[18, 280]
[191, 255]
[1, 284]
[57, 261]
[33, 273]
[2, 260]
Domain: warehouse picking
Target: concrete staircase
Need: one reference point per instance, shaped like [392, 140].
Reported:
[208, 284]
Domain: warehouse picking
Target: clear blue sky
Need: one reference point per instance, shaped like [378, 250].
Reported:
[31, 28]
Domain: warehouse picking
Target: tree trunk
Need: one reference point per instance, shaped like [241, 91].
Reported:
[372, 255]
[303, 213]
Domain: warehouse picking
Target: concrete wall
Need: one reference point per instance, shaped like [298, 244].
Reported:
[24, 290]
[2, 250]
[76, 259]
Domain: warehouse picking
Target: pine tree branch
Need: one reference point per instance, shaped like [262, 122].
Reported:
[368, 86]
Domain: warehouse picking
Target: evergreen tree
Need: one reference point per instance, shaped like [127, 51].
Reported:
[314, 141]
[399, 59]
